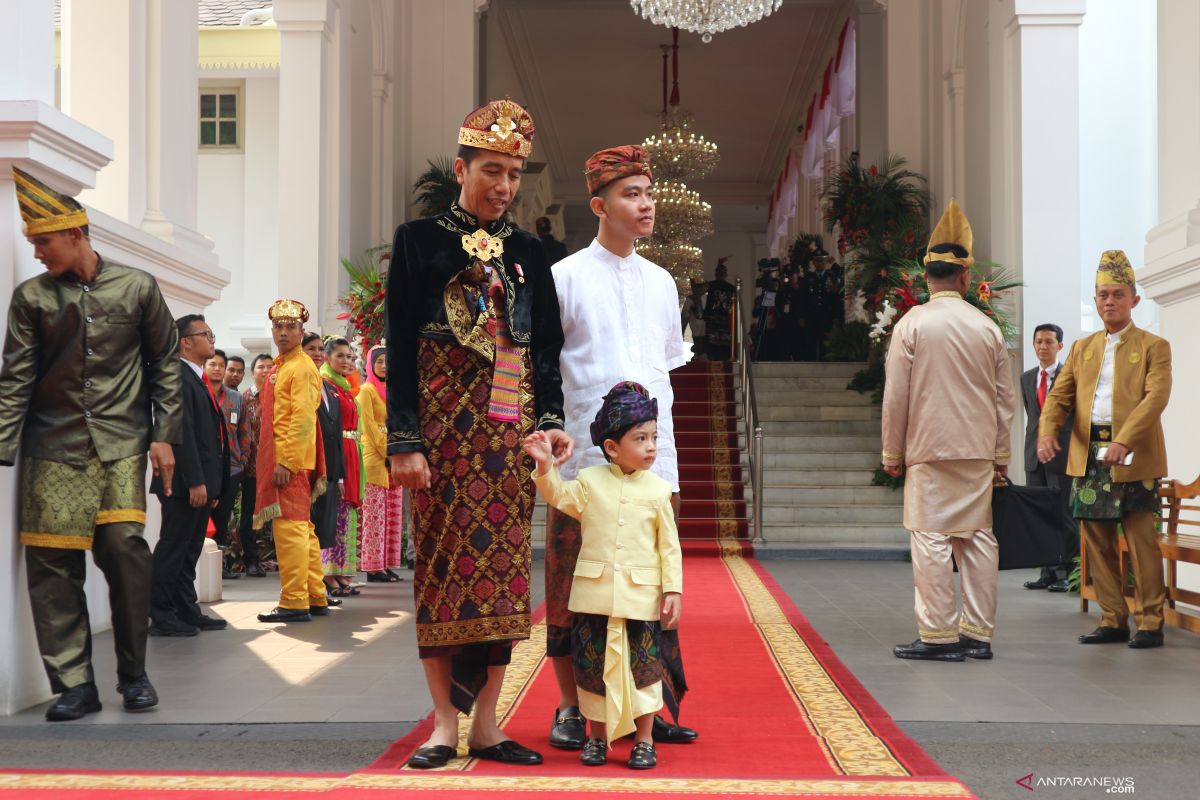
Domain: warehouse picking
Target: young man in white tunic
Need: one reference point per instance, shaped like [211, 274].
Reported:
[948, 406]
[620, 320]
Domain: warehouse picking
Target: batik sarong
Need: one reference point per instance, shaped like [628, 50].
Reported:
[381, 540]
[618, 670]
[471, 527]
[61, 504]
[1097, 496]
[342, 558]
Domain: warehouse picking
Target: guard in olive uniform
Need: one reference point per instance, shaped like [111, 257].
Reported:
[90, 382]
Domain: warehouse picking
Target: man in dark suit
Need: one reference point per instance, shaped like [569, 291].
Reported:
[329, 419]
[1035, 387]
[555, 250]
[201, 472]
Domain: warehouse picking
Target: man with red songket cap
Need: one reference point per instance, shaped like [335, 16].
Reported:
[620, 319]
[473, 344]
[291, 469]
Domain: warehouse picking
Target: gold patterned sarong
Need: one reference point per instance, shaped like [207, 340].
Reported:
[61, 504]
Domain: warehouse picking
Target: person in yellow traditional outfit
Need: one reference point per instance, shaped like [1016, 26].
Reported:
[291, 469]
[381, 547]
[1118, 382]
[629, 574]
[948, 405]
[90, 382]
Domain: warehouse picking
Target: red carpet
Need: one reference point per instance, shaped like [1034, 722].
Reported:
[753, 662]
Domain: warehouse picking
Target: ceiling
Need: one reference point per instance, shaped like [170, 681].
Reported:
[590, 71]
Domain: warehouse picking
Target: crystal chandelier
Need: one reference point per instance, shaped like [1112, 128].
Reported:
[684, 261]
[677, 152]
[704, 17]
[679, 213]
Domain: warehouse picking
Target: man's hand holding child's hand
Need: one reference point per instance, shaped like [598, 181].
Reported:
[672, 610]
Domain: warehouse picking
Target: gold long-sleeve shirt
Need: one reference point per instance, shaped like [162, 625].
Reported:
[373, 424]
[294, 418]
[630, 555]
[96, 362]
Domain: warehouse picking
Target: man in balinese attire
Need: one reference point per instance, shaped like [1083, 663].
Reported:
[948, 405]
[619, 318]
[291, 469]
[1118, 382]
[473, 345]
[90, 382]
[718, 314]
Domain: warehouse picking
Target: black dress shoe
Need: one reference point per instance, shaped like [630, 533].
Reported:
[74, 703]
[924, 651]
[207, 623]
[173, 627]
[332, 601]
[567, 732]
[432, 757]
[973, 648]
[319, 611]
[1059, 586]
[138, 694]
[666, 733]
[229, 575]
[286, 615]
[1105, 635]
[255, 571]
[595, 753]
[1145, 639]
[507, 752]
[643, 756]
[1040, 583]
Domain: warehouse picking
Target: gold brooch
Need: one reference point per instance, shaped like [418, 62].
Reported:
[1087, 355]
[1135, 358]
[483, 246]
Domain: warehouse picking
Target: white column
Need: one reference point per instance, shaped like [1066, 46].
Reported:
[870, 85]
[104, 87]
[906, 58]
[304, 36]
[1042, 125]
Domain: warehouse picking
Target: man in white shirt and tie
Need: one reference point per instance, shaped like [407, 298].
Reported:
[1035, 387]
[620, 321]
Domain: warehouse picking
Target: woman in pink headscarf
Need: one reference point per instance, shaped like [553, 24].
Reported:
[381, 537]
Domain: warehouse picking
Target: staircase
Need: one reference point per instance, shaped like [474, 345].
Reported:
[821, 443]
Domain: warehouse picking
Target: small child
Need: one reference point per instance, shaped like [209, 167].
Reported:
[629, 575]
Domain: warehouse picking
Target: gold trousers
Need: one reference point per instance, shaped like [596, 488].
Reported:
[1104, 565]
[978, 559]
[60, 614]
[298, 553]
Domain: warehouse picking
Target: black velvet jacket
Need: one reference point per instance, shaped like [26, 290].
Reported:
[426, 255]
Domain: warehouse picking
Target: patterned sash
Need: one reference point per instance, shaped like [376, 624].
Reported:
[503, 406]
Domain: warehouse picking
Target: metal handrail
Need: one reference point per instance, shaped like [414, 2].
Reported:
[754, 431]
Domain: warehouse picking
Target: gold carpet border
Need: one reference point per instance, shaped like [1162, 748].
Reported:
[830, 787]
[858, 751]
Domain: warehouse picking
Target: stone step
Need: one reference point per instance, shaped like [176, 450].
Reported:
[784, 383]
[817, 495]
[809, 427]
[771, 413]
[797, 398]
[864, 460]
[806, 369]
[832, 513]
[780, 479]
[836, 535]
[777, 442]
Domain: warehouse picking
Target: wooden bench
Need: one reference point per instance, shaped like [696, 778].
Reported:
[1176, 544]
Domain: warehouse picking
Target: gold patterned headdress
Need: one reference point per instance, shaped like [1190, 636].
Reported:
[500, 125]
[1115, 269]
[290, 310]
[44, 210]
[952, 228]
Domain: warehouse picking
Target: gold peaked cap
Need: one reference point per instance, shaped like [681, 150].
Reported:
[1115, 269]
[44, 210]
[499, 125]
[287, 310]
[952, 228]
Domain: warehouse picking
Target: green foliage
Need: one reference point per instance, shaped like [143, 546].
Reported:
[883, 479]
[364, 301]
[800, 253]
[877, 204]
[850, 341]
[436, 188]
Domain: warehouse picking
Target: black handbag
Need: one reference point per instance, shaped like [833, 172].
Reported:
[1031, 525]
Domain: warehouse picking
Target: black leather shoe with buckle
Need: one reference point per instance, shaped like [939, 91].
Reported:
[595, 753]
[568, 731]
[75, 703]
[666, 733]
[643, 756]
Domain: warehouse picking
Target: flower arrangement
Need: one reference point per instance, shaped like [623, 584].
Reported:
[881, 205]
[365, 300]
